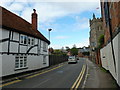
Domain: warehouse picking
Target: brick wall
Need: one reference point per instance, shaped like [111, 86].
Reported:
[114, 13]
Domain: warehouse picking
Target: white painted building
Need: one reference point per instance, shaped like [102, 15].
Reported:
[22, 46]
[107, 58]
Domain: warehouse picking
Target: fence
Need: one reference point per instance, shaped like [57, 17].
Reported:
[56, 59]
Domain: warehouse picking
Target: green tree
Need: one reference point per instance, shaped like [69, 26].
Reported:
[74, 51]
[86, 53]
[67, 48]
[101, 41]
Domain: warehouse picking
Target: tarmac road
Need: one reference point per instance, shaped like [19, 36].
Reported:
[62, 76]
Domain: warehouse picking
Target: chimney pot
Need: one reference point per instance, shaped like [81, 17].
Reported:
[34, 10]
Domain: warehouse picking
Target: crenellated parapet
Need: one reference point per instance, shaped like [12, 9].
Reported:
[91, 21]
[95, 20]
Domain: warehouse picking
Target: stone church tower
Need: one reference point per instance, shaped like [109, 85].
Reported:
[96, 30]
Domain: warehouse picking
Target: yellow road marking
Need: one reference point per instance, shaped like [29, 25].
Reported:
[78, 80]
[6, 84]
[43, 72]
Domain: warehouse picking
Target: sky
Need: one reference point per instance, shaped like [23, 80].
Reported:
[68, 19]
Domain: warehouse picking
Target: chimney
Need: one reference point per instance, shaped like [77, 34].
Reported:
[34, 20]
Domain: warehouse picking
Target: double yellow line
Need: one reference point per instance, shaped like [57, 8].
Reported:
[12, 82]
[43, 72]
[79, 79]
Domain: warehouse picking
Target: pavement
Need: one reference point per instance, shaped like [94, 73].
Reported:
[97, 77]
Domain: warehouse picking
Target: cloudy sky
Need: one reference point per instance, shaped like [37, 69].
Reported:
[69, 19]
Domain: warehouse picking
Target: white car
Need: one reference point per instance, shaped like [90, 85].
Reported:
[72, 59]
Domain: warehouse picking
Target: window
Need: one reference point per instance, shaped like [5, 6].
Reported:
[32, 42]
[23, 39]
[28, 41]
[20, 61]
[25, 61]
[17, 62]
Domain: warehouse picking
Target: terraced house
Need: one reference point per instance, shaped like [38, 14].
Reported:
[23, 47]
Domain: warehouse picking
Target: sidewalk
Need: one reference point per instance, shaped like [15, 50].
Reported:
[97, 77]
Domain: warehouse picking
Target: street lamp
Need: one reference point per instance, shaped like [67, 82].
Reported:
[49, 33]
[49, 37]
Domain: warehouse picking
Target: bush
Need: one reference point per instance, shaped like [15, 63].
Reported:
[101, 41]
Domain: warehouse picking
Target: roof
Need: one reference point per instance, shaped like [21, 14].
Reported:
[13, 22]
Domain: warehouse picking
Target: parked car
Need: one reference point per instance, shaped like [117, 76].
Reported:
[72, 59]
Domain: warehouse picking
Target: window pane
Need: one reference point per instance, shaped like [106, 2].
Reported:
[25, 40]
[17, 66]
[25, 61]
[25, 64]
[21, 63]
[16, 62]
[21, 39]
[29, 41]
[32, 41]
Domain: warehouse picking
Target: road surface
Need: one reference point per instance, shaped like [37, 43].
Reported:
[62, 76]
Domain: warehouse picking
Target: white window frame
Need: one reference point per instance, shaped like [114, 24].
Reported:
[21, 61]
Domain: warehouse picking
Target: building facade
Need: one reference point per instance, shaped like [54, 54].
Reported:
[110, 53]
[83, 50]
[23, 47]
[96, 30]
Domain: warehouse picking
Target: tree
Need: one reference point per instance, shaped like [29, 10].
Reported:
[67, 48]
[51, 50]
[74, 51]
[86, 53]
[101, 41]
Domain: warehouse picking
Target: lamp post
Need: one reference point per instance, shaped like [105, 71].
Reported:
[49, 38]
[49, 33]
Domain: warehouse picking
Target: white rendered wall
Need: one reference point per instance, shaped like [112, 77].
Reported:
[5, 33]
[14, 47]
[109, 58]
[33, 62]
[16, 36]
[104, 58]
[110, 61]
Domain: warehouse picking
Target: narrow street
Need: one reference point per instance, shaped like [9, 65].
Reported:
[62, 77]
[62, 44]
